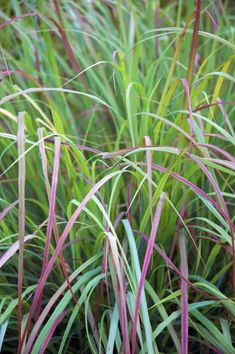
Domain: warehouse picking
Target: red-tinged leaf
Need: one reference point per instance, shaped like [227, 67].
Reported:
[223, 211]
[184, 293]
[17, 18]
[52, 201]
[149, 172]
[148, 254]
[179, 225]
[225, 163]
[213, 20]
[192, 54]
[121, 297]
[24, 75]
[80, 147]
[224, 208]
[13, 249]
[44, 314]
[60, 244]
[104, 268]
[219, 103]
[51, 331]
[58, 11]
[195, 188]
[220, 151]
[50, 191]
[7, 209]
[171, 265]
[211, 180]
[52, 205]
[69, 50]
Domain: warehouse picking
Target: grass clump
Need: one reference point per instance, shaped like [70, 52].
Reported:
[117, 177]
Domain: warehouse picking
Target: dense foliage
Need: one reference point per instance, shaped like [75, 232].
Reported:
[117, 176]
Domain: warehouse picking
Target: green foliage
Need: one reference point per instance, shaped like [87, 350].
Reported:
[141, 96]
